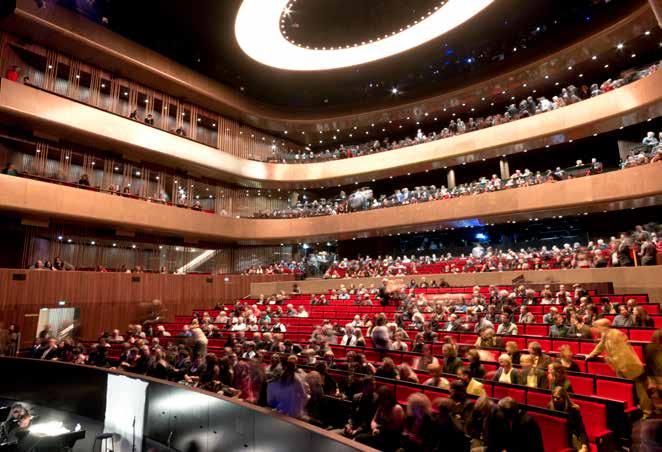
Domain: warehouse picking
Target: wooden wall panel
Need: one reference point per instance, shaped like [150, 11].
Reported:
[112, 300]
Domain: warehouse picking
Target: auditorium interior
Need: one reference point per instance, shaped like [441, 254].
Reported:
[385, 225]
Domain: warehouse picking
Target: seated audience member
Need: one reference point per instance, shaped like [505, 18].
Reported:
[506, 373]
[540, 359]
[556, 376]
[426, 358]
[578, 328]
[526, 316]
[623, 359]
[513, 351]
[474, 387]
[10, 170]
[448, 430]
[509, 428]
[436, 379]
[398, 344]
[84, 180]
[565, 358]
[348, 338]
[476, 369]
[462, 406]
[302, 312]
[387, 424]
[387, 369]
[364, 405]
[419, 432]
[550, 316]
[506, 327]
[406, 373]
[141, 362]
[531, 376]
[451, 361]
[360, 340]
[48, 351]
[559, 328]
[159, 367]
[487, 338]
[641, 318]
[577, 437]
[623, 319]
[650, 140]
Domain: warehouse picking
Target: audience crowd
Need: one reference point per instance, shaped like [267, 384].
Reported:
[522, 109]
[649, 151]
[364, 198]
[639, 247]
[304, 379]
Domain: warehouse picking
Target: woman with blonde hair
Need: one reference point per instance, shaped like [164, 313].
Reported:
[405, 373]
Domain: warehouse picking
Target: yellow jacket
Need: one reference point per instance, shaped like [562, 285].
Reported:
[619, 354]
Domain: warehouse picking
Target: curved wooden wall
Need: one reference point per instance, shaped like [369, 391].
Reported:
[113, 300]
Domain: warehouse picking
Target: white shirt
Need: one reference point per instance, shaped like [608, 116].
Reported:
[505, 377]
[348, 340]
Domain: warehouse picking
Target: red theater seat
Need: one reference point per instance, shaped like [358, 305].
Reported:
[501, 391]
[595, 419]
[554, 431]
[402, 392]
[616, 390]
[538, 398]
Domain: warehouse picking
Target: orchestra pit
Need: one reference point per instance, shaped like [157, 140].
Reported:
[331, 225]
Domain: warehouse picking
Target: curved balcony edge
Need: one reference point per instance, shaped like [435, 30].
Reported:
[627, 105]
[170, 410]
[102, 46]
[633, 187]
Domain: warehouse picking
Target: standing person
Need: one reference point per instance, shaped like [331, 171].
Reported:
[287, 394]
[380, 336]
[199, 339]
[623, 359]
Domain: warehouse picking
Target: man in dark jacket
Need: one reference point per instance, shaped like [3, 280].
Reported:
[512, 430]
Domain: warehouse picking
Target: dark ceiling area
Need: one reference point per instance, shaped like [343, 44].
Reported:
[507, 34]
[306, 26]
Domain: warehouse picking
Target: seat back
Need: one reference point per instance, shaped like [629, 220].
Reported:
[554, 431]
[594, 416]
[581, 384]
[501, 391]
[615, 390]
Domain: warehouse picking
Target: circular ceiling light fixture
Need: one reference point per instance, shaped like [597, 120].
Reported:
[259, 34]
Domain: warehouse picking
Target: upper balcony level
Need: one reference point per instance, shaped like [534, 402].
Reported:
[26, 106]
[94, 44]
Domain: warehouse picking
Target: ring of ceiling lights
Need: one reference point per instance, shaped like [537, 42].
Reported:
[259, 33]
[286, 16]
